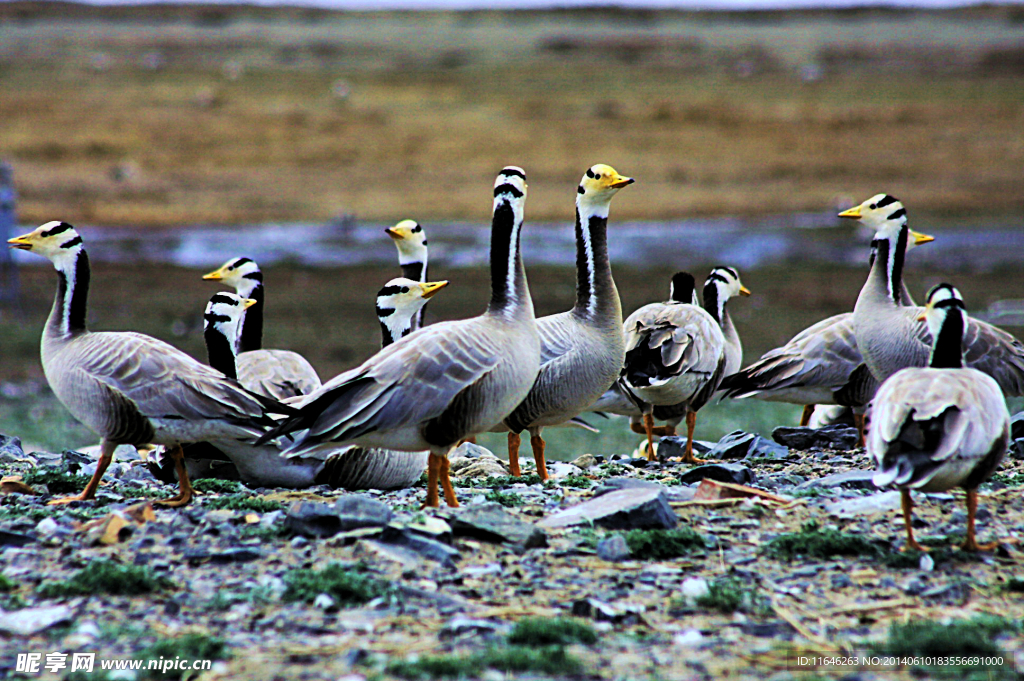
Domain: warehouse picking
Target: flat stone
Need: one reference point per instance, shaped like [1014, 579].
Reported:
[423, 546]
[491, 522]
[626, 509]
[558, 470]
[739, 445]
[312, 519]
[613, 549]
[14, 539]
[847, 479]
[720, 472]
[222, 557]
[839, 437]
[10, 449]
[673, 445]
[610, 485]
[356, 511]
[882, 502]
[584, 462]
[30, 621]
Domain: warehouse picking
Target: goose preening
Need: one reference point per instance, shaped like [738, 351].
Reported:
[444, 382]
[274, 373]
[819, 365]
[892, 337]
[944, 426]
[411, 242]
[677, 353]
[128, 387]
[581, 350]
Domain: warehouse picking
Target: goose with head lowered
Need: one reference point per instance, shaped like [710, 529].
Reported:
[581, 351]
[444, 382]
[128, 387]
[939, 427]
[411, 242]
[891, 336]
[677, 353]
[820, 365]
[274, 373]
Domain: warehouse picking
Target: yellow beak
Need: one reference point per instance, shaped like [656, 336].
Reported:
[432, 287]
[21, 242]
[248, 302]
[621, 181]
[216, 275]
[744, 291]
[394, 233]
[920, 238]
[853, 213]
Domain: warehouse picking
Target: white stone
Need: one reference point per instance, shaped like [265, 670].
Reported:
[324, 602]
[689, 638]
[694, 588]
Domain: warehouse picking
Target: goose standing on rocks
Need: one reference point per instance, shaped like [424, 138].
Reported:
[581, 351]
[939, 427]
[820, 365]
[444, 382]
[411, 242]
[677, 352]
[274, 373]
[892, 337]
[128, 387]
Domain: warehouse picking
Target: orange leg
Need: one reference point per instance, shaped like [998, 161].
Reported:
[185, 486]
[433, 472]
[513, 454]
[691, 423]
[805, 418]
[446, 483]
[908, 505]
[971, 543]
[858, 420]
[106, 456]
[537, 444]
[649, 430]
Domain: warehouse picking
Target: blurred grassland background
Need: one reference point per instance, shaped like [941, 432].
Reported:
[157, 116]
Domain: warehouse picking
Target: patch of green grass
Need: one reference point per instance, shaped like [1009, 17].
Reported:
[218, 486]
[346, 584]
[105, 576]
[813, 542]
[257, 531]
[499, 482]
[58, 482]
[544, 631]
[188, 647]
[504, 498]
[7, 584]
[547, 660]
[223, 600]
[812, 493]
[663, 544]
[729, 594]
[959, 638]
[243, 502]
[574, 481]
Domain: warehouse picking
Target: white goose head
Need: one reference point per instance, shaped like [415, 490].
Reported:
[242, 274]
[411, 241]
[224, 313]
[885, 215]
[599, 184]
[727, 281]
[399, 301]
[57, 241]
[946, 316]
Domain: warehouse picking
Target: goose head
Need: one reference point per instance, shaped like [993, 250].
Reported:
[599, 184]
[57, 241]
[683, 289]
[239, 273]
[727, 281]
[944, 301]
[224, 313]
[410, 239]
[400, 300]
[885, 215]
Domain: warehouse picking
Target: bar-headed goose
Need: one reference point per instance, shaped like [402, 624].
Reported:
[128, 387]
[274, 373]
[411, 242]
[581, 350]
[820, 365]
[892, 337]
[939, 427]
[676, 354]
[446, 381]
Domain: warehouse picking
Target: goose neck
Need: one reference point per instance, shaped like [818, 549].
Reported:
[947, 347]
[67, 317]
[220, 351]
[510, 294]
[886, 276]
[250, 334]
[596, 295]
[714, 304]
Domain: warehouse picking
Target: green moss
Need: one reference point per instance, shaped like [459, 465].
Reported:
[813, 542]
[663, 544]
[7, 584]
[348, 585]
[504, 498]
[729, 594]
[190, 647]
[548, 660]
[437, 667]
[574, 481]
[105, 576]
[503, 481]
[959, 638]
[244, 502]
[543, 631]
[57, 481]
[261, 532]
[218, 486]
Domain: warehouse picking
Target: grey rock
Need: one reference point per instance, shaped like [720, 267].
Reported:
[720, 472]
[423, 546]
[626, 509]
[72, 461]
[10, 449]
[673, 446]
[674, 493]
[312, 519]
[740, 445]
[195, 556]
[585, 461]
[30, 621]
[491, 522]
[601, 611]
[460, 625]
[613, 549]
[883, 502]
[839, 437]
[847, 479]
[358, 510]
[14, 539]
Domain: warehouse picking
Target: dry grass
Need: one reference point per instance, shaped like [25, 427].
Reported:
[149, 116]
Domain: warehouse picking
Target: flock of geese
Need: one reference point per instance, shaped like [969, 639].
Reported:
[930, 381]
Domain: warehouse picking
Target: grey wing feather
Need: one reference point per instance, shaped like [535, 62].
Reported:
[276, 373]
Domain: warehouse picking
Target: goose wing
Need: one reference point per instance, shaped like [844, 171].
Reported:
[663, 341]
[276, 373]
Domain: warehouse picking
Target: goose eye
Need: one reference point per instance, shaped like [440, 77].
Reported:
[873, 206]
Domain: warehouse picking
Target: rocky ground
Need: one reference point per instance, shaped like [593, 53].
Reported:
[614, 569]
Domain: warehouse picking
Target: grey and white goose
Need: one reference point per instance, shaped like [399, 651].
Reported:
[581, 350]
[444, 382]
[820, 365]
[892, 337]
[944, 426]
[128, 387]
[411, 242]
[275, 373]
[676, 354]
